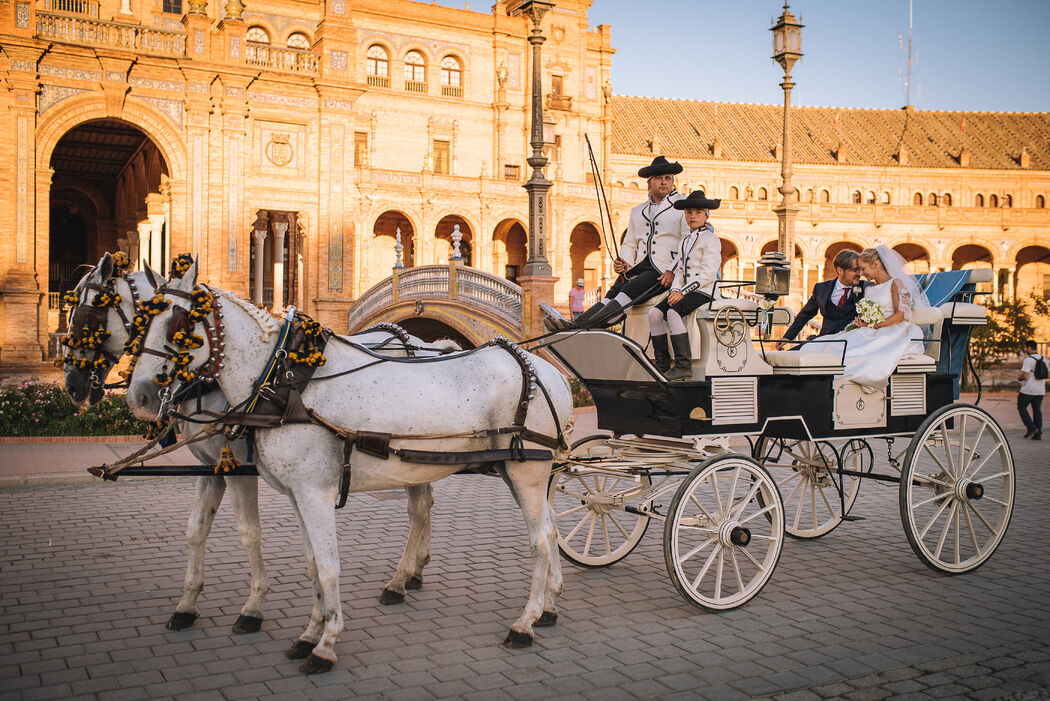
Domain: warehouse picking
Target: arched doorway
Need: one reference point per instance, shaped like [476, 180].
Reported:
[1033, 272]
[380, 253]
[444, 230]
[109, 192]
[970, 256]
[509, 249]
[730, 261]
[586, 255]
[917, 257]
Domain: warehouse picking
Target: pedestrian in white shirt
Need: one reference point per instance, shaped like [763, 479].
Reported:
[1033, 388]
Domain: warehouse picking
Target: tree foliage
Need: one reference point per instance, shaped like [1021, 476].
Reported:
[1010, 323]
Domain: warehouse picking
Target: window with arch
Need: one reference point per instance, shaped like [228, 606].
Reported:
[946, 198]
[1040, 202]
[886, 198]
[377, 66]
[451, 77]
[257, 35]
[978, 201]
[298, 40]
[932, 199]
[825, 196]
[734, 193]
[1008, 200]
[993, 200]
[415, 68]
[917, 199]
[809, 195]
[870, 199]
[763, 195]
[855, 197]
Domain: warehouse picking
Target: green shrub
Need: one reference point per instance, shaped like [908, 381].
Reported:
[580, 395]
[44, 409]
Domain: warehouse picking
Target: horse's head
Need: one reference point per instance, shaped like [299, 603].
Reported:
[101, 307]
[179, 343]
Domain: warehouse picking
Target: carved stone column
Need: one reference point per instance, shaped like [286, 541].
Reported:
[260, 254]
[280, 228]
[156, 242]
[144, 248]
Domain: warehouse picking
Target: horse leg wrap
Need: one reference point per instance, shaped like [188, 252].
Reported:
[179, 621]
[300, 650]
[247, 624]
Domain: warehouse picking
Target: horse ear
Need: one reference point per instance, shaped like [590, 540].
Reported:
[151, 276]
[191, 275]
[105, 267]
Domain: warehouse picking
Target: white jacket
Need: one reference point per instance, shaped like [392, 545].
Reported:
[699, 259]
[654, 232]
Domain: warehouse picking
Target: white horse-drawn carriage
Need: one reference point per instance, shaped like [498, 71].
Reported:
[371, 418]
[765, 443]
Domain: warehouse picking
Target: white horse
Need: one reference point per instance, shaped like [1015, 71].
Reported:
[442, 406]
[86, 384]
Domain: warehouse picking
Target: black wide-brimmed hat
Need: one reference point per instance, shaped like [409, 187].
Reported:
[660, 166]
[697, 200]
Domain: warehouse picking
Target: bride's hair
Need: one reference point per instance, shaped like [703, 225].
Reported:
[870, 255]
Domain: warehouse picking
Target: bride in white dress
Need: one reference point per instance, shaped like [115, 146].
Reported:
[872, 352]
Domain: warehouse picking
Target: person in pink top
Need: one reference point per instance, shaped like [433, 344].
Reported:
[576, 306]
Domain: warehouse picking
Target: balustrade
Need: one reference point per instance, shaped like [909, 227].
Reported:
[88, 8]
[93, 32]
[281, 59]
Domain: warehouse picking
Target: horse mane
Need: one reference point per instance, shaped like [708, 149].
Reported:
[262, 317]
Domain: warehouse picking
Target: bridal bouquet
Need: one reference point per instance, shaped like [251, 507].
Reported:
[870, 311]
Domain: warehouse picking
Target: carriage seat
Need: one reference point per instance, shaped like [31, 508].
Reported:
[747, 306]
[795, 363]
[964, 314]
[919, 364]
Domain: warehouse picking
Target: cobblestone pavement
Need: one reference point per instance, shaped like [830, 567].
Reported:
[89, 573]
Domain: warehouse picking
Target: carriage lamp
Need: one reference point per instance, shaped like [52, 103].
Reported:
[773, 276]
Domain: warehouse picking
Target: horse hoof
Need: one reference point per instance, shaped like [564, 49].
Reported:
[315, 665]
[414, 583]
[180, 620]
[300, 650]
[546, 619]
[247, 624]
[516, 640]
[389, 596]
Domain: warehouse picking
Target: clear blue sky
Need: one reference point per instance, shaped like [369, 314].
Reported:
[971, 55]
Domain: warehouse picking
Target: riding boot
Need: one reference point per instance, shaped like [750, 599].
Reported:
[583, 319]
[604, 318]
[661, 356]
[683, 361]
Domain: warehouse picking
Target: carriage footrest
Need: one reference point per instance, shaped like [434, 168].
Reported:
[247, 469]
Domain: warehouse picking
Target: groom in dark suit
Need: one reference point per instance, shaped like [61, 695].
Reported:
[834, 299]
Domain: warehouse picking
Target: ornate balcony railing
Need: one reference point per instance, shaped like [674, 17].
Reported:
[415, 86]
[92, 32]
[559, 102]
[451, 91]
[486, 291]
[379, 81]
[281, 59]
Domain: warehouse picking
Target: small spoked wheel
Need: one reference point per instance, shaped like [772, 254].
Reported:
[594, 528]
[957, 489]
[806, 473]
[724, 532]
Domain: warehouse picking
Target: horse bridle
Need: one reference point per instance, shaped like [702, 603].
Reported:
[87, 322]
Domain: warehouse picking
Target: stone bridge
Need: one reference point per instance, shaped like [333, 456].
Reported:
[445, 301]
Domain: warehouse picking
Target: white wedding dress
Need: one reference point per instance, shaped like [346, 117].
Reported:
[872, 354]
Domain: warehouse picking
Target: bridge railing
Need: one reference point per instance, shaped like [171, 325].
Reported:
[490, 292]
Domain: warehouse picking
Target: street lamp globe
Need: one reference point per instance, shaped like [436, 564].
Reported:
[787, 39]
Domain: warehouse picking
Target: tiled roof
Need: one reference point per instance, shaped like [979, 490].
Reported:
[686, 129]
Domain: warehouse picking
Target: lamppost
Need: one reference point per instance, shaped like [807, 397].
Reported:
[537, 186]
[787, 48]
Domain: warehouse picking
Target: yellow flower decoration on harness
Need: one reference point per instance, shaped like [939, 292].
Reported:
[180, 265]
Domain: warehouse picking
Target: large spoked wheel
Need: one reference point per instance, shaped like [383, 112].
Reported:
[806, 473]
[957, 489]
[724, 532]
[594, 529]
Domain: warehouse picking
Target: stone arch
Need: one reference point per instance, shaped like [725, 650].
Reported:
[833, 250]
[74, 111]
[917, 257]
[967, 256]
[379, 255]
[443, 231]
[730, 266]
[585, 254]
[510, 248]
[1032, 271]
